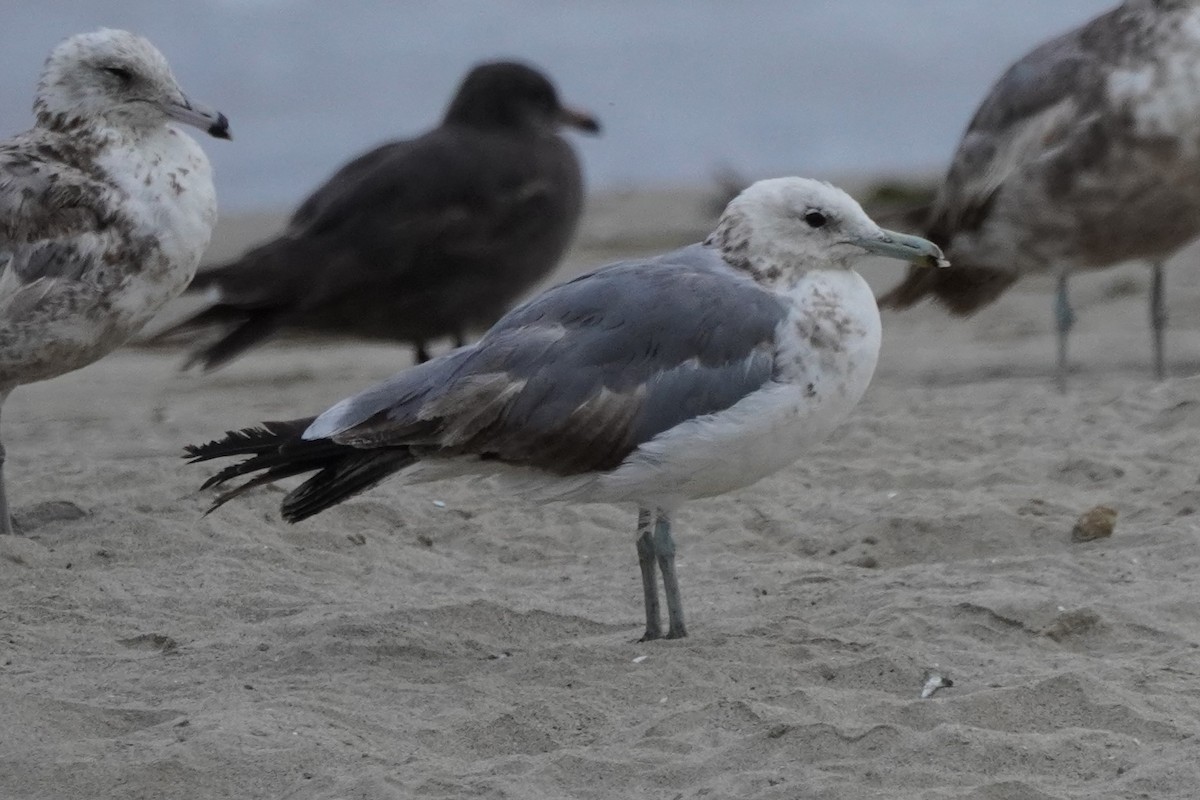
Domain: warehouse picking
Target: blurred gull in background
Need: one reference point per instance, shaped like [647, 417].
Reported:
[1085, 154]
[418, 239]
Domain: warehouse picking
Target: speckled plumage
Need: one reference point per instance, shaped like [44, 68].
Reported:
[1084, 154]
[105, 209]
[653, 381]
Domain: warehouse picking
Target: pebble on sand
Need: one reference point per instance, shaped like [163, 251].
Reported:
[1095, 523]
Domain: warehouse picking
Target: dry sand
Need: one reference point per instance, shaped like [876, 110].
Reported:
[445, 642]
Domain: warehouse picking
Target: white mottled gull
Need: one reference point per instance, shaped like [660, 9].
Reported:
[105, 208]
[651, 382]
[1085, 153]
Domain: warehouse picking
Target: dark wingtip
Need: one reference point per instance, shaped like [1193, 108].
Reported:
[960, 290]
[916, 285]
[220, 128]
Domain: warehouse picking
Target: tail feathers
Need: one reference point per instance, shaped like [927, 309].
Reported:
[267, 438]
[275, 446]
[240, 275]
[276, 451]
[219, 314]
[249, 297]
[342, 479]
[206, 279]
[917, 284]
[962, 289]
[243, 329]
[251, 331]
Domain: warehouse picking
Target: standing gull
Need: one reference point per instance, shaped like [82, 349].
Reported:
[105, 208]
[417, 239]
[1085, 153]
[650, 382]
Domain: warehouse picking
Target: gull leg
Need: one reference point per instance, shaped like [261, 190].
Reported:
[645, 550]
[422, 353]
[460, 339]
[664, 550]
[1064, 318]
[1158, 317]
[6, 525]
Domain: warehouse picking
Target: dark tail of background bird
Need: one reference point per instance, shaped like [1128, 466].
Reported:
[961, 288]
[276, 451]
[248, 308]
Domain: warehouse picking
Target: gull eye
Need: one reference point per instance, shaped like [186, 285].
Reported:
[122, 74]
[815, 219]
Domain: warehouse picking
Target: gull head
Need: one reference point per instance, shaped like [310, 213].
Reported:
[116, 78]
[508, 94]
[779, 229]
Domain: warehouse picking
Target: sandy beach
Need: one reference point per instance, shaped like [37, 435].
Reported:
[444, 641]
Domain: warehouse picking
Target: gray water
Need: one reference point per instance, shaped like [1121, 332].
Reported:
[818, 87]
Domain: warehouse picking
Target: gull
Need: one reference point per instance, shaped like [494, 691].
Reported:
[417, 239]
[105, 208]
[652, 382]
[1085, 154]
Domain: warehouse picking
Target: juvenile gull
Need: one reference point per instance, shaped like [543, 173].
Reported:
[1085, 153]
[649, 382]
[105, 208]
[417, 239]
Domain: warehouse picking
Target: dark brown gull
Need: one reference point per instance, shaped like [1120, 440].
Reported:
[1085, 154]
[419, 239]
[105, 208]
[651, 382]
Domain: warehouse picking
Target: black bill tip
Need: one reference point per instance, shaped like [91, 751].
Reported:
[220, 128]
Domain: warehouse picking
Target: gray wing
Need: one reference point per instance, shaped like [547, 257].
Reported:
[54, 224]
[1040, 108]
[579, 377]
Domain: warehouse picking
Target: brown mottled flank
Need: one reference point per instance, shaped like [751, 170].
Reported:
[47, 285]
[1086, 153]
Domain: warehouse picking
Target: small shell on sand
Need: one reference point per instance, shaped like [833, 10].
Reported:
[933, 682]
[1095, 523]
